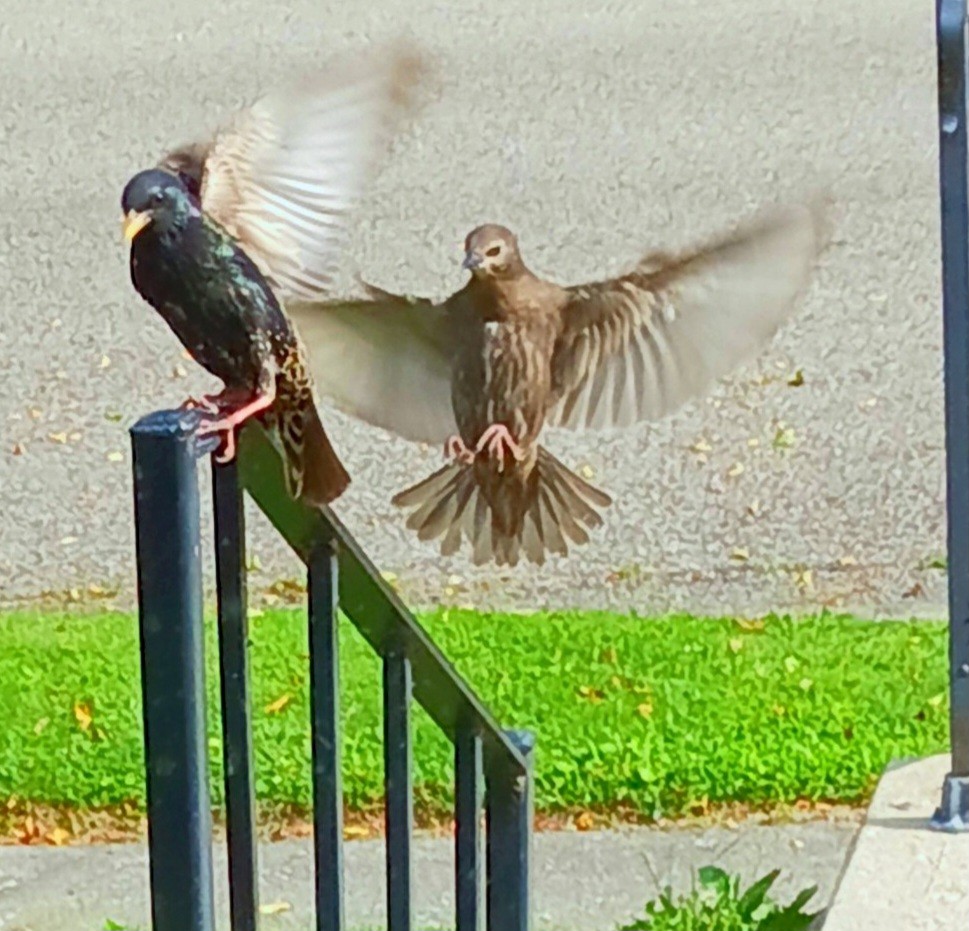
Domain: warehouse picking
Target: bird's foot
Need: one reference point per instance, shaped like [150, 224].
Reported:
[208, 403]
[497, 439]
[227, 424]
[215, 403]
[455, 449]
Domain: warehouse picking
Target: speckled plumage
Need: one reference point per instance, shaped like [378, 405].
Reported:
[510, 353]
[224, 312]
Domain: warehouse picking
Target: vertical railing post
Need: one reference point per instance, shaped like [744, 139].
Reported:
[324, 639]
[469, 783]
[510, 807]
[954, 190]
[172, 671]
[230, 572]
[398, 781]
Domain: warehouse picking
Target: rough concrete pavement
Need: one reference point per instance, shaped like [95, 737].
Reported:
[582, 882]
[597, 130]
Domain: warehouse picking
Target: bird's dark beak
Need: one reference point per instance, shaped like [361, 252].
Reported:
[471, 260]
[133, 222]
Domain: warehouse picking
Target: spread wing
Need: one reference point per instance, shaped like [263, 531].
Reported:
[639, 346]
[385, 360]
[284, 175]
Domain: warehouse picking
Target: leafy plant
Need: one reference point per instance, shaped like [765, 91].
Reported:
[716, 903]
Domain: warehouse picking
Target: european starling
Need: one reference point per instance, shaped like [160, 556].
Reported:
[225, 313]
[510, 353]
[236, 226]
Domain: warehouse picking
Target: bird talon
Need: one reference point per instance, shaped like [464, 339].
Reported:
[455, 449]
[496, 440]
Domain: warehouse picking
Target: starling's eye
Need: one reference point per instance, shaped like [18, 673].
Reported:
[158, 197]
[493, 251]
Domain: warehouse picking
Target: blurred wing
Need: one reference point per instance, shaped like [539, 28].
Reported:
[384, 360]
[639, 346]
[284, 176]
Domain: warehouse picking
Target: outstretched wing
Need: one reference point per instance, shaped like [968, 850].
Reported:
[385, 360]
[284, 175]
[639, 346]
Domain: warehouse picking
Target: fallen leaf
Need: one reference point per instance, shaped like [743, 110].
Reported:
[749, 625]
[740, 554]
[58, 837]
[113, 416]
[389, 577]
[847, 561]
[784, 438]
[916, 591]
[355, 831]
[753, 509]
[585, 821]
[591, 694]
[105, 362]
[586, 471]
[83, 715]
[797, 379]
[67, 541]
[701, 446]
[29, 832]
[753, 442]
[644, 710]
[274, 908]
[804, 578]
[178, 371]
[276, 706]
[57, 437]
[736, 469]
[115, 456]
[35, 413]
[736, 645]
[74, 437]
[19, 449]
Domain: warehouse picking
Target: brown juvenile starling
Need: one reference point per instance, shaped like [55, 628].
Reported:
[484, 371]
[226, 231]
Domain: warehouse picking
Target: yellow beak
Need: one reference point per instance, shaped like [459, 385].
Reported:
[133, 222]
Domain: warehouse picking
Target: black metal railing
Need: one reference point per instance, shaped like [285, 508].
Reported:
[953, 814]
[492, 767]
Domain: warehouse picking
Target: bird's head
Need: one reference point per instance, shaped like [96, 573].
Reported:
[158, 199]
[491, 251]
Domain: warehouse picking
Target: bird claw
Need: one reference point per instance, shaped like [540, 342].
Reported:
[207, 403]
[497, 439]
[227, 427]
[227, 424]
[455, 449]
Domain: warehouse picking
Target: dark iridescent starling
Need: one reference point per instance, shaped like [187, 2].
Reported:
[510, 353]
[225, 313]
[240, 224]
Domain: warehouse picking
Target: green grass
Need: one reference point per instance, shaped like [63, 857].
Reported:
[655, 715]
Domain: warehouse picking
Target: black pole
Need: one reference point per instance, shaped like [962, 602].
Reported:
[954, 190]
[172, 671]
[509, 811]
[237, 756]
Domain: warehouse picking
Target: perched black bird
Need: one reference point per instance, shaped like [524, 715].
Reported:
[254, 216]
[223, 310]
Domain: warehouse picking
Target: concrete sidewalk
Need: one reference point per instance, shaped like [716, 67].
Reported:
[583, 882]
[903, 876]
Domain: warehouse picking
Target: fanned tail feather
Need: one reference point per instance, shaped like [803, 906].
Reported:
[549, 509]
